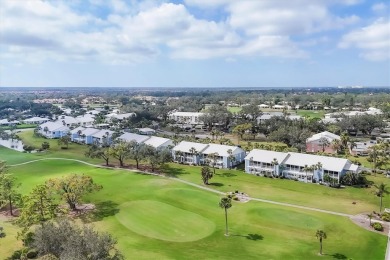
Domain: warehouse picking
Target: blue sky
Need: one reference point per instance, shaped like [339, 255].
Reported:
[194, 43]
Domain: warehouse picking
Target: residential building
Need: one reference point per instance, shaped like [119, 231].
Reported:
[68, 121]
[321, 142]
[53, 129]
[186, 117]
[298, 166]
[269, 115]
[146, 131]
[102, 137]
[188, 152]
[228, 156]
[197, 153]
[156, 142]
[35, 120]
[84, 135]
[119, 117]
[86, 120]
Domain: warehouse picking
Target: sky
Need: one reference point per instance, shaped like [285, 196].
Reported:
[194, 43]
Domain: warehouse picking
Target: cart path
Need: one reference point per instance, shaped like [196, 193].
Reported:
[191, 184]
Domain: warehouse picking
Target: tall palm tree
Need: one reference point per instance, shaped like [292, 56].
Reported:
[318, 167]
[336, 145]
[274, 163]
[193, 152]
[381, 190]
[320, 234]
[344, 138]
[306, 169]
[231, 158]
[324, 143]
[226, 203]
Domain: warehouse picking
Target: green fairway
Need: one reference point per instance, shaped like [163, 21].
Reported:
[234, 109]
[311, 113]
[147, 214]
[159, 220]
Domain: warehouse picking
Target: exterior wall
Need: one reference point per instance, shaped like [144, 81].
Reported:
[315, 147]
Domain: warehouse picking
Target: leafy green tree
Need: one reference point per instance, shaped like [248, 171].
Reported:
[320, 234]
[72, 188]
[381, 191]
[206, 174]
[120, 151]
[65, 240]
[137, 152]
[156, 157]
[240, 130]
[45, 145]
[226, 203]
[64, 141]
[100, 152]
[38, 207]
[8, 189]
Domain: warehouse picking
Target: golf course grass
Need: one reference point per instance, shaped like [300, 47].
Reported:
[162, 221]
[156, 217]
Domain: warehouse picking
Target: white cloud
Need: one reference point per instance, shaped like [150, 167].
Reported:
[379, 7]
[140, 30]
[373, 40]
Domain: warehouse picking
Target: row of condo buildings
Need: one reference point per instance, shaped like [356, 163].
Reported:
[258, 162]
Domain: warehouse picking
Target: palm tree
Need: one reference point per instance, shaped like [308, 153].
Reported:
[206, 174]
[344, 138]
[274, 163]
[320, 234]
[231, 158]
[374, 155]
[226, 203]
[212, 159]
[324, 142]
[306, 169]
[193, 153]
[370, 216]
[318, 167]
[336, 145]
[381, 190]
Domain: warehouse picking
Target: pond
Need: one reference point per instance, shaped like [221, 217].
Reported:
[12, 144]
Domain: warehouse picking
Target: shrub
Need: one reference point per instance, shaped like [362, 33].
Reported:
[377, 226]
[386, 217]
[32, 254]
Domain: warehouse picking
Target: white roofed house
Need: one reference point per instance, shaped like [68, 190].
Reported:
[102, 137]
[53, 129]
[119, 117]
[154, 141]
[186, 117]
[264, 162]
[146, 131]
[83, 135]
[35, 120]
[321, 142]
[298, 166]
[159, 143]
[226, 156]
[68, 121]
[188, 152]
[86, 120]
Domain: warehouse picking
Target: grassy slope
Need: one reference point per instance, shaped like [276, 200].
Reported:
[312, 195]
[258, 230]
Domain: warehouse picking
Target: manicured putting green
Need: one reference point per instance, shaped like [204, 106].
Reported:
[162, 221]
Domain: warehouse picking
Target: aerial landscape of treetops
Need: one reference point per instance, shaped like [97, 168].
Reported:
[194, 129]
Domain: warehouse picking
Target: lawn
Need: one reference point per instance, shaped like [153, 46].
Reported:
[283, 190]
[234, 110]
[20, 126]
[155, 217]
[311, 113]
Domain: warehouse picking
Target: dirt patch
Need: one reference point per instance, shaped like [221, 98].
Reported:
[82, 209]
[5, 213]
[363, 221]
[239, 196]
